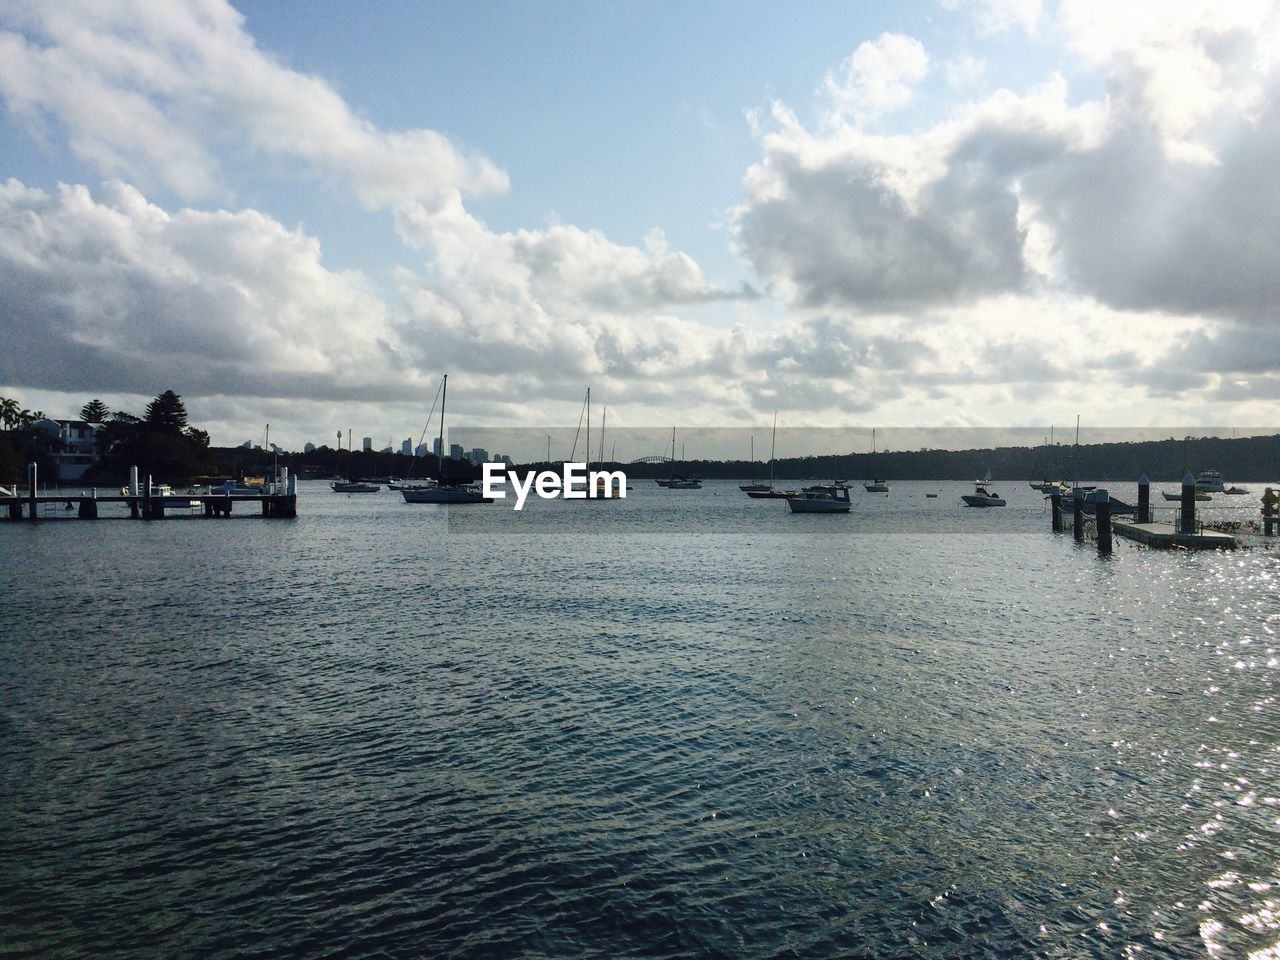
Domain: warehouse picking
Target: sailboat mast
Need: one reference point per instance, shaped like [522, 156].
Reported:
[588, 446]
[444, 395]
[603, 415]
[773, 446]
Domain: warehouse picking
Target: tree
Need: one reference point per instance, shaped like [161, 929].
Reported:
[167, 412]
[9, 412]
[95, 411]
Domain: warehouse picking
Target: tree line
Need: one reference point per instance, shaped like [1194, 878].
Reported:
[160, 442]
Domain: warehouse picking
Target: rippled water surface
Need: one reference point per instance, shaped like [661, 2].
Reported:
[702, 727]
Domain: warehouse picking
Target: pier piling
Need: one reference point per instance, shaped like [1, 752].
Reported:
[1055, 508]
[1102, 514]
[1077, 515]
[1270, 512]
[1144, 499]
[1188, 524]
[31, 491]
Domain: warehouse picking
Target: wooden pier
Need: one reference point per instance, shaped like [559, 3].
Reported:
[1185, 533]
[149, 508]
[145, 502]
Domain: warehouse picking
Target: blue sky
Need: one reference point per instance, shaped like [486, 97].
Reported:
[967, 213]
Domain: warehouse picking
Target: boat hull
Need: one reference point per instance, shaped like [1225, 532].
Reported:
[976, 501]
[805, 505]
[876, 487]
[771, 494]
[443, 495]
[355, 487]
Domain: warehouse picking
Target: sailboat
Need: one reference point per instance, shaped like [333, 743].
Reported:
[442, 491]
[1047, 485]
[768, 493]
[678, 481]
[876, 485]
[601, 489]
[758, 486]
[348, 485]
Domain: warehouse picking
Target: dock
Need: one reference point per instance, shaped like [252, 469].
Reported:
[1165, 536]
[147, 508]
[146, 501]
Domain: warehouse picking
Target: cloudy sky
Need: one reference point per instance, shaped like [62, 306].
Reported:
[970, 212]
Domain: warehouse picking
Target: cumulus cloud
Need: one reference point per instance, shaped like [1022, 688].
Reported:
[146, 91]
[106, 291]
[1140, 200]
[113, 293]
[877, 77]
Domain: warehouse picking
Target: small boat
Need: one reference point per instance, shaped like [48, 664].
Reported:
[1052, 486]
[234, 489]
[765, 491]
[981, 496]
[354, 486]
[1118, 507]
[1209, 481]
[1177, 497]
[758, 486]
[931, 496]
[822, 498]
[875, 485]
[678, 481]
[1235, 491]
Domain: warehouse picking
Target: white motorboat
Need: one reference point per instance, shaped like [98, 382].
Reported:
[821, 498]
[1209, 481]
[1201, 497]
[354, 486]
[981, 496]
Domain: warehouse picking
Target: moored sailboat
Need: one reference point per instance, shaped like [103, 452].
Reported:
[875, 485]
[439, 490]
[766, 491]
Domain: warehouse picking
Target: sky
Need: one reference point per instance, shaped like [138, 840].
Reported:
[969, 213]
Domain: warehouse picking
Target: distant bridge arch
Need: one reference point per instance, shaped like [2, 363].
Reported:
[652, 460]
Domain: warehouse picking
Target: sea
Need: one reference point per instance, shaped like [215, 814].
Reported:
[684, 724]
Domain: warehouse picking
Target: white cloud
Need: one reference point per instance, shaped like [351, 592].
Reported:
[965, 72]
[1017, 191]
[111, 292]
[1000, 16]
[877, 78]
[149, 91]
